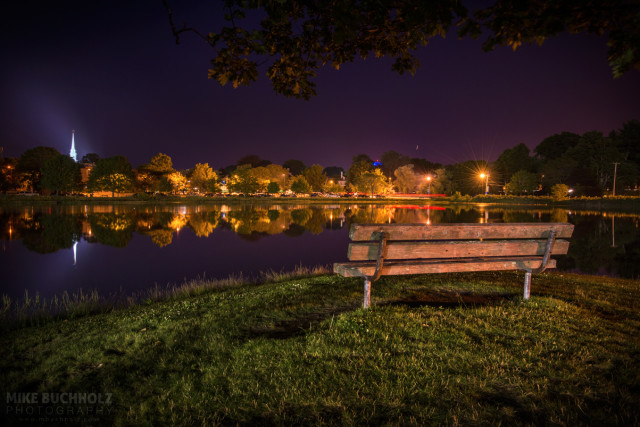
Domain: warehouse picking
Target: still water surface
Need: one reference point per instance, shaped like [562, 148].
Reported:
[116, 248]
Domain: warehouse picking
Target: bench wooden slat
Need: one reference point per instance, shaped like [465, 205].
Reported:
[364, 232]
[455, 249]
[393, 268]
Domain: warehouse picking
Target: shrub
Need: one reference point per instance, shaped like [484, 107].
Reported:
[559, 192]
[273, 188]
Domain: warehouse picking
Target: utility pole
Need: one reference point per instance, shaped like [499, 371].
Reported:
[615, 172]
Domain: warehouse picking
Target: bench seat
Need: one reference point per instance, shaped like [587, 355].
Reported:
[440, 265]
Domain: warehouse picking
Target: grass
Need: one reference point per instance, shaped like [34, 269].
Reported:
[437, 349]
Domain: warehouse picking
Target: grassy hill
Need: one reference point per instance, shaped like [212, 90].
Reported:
[438, 349]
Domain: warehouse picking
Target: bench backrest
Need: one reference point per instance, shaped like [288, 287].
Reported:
[420, 241]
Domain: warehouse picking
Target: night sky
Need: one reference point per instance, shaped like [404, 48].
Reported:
[114, 73]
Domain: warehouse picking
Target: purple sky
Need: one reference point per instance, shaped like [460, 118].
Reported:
[113, 72]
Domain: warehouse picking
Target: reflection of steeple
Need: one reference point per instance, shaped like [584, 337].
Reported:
[74, 252]
[72, 152]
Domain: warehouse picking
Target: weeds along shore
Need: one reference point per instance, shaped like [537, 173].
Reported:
[34, 309]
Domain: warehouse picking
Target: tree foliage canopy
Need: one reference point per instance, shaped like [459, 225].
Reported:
[178, 181]
[300, 185]
[160, 164]
[315, 177]
[513, 160]
[556, 145]
[60, 173]
[243, 181]
[465, 177]
[334, 172]
[514, 23]
[360, 164]
[522, 182]
[373, 182]
[296, 38]
[628, 140]
[295, 166]
[32, 161]
[406, 179]
[253, 160]
[273, 188]
[270, 173]
[203, 177]
[392, 160]
[111, 174]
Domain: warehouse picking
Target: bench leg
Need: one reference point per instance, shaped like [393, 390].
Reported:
[367, 293]
[527, 284]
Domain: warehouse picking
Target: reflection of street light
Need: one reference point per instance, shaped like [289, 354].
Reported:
[429, 182]
[485, 176]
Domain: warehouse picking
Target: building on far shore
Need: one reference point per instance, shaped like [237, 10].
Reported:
[85, 171]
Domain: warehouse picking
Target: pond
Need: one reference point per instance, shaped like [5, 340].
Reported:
[127, 248]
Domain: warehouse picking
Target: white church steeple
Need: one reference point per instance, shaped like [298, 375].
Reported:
[72, 153]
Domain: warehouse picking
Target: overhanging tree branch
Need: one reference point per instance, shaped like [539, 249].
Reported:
[298, 37]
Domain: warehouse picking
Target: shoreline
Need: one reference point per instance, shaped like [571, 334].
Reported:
[598, 203]
[34, 310]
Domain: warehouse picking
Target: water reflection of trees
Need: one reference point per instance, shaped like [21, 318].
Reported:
[49, 233]
[595, 247]
[203, 223]
[113, 229]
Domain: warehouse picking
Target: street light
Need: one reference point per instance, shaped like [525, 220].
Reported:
[429, 182]
[485, 176]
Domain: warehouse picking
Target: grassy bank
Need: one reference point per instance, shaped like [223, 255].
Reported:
[438, 349]
[626, 203]
[588, 203]
[35, 310]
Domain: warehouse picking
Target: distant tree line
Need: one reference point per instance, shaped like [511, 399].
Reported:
[587, 164]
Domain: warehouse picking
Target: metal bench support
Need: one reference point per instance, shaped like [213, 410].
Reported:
[382, 247]
[543, 264]
[367, 293]
[527, 284]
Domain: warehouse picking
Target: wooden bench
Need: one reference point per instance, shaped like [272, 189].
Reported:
[394, 249]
